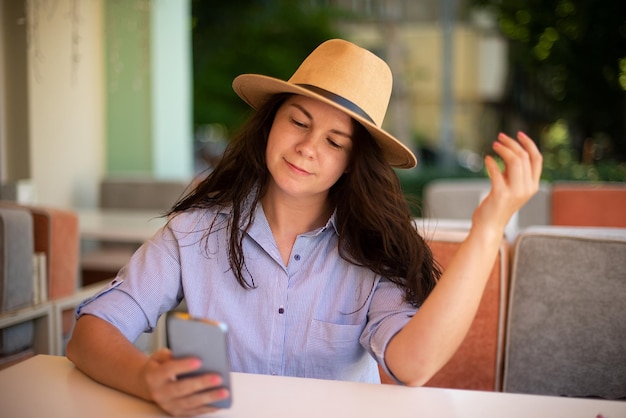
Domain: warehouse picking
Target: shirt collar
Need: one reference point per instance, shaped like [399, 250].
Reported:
[332, 221]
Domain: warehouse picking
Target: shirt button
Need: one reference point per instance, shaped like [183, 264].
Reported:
[296, 257]
[281, 310]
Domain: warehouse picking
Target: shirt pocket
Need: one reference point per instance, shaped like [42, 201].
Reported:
[333, 351]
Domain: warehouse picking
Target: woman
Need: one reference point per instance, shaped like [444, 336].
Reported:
[301, 241]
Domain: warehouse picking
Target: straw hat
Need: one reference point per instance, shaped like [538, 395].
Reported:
[345, 76]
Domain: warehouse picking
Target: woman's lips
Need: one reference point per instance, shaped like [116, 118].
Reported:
[297, 169]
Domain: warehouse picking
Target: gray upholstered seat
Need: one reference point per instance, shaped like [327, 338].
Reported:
[567, 313]
[16, 275]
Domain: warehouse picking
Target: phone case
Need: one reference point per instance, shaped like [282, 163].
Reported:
[204, 339]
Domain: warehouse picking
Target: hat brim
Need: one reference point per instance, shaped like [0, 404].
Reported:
[256, 89]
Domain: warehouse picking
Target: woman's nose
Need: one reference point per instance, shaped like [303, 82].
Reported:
[307, 146]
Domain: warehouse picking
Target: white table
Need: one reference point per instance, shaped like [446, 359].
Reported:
[50, 386]
[130, 226]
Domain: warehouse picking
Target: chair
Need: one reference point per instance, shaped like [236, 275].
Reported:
[477, 364]
[566, 332]
[589, 204]
[55, 236]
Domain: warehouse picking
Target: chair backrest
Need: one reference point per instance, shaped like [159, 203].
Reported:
[57, 235]
[140, 193]
[16, 276]
[458, 198]
[566, 330]
[478, 362]
[589, 204]
[454, 198]
[16, 258]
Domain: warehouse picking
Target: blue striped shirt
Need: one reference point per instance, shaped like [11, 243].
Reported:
[319, 316]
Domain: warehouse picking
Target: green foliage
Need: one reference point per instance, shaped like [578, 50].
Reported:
[569, 62]
[560, 163]
[248, 36]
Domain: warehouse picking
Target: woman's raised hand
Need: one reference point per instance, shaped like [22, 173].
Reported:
[512, 187]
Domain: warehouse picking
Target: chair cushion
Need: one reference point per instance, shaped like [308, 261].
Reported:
[566, 333]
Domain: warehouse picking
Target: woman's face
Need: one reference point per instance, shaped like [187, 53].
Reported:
[308, 148]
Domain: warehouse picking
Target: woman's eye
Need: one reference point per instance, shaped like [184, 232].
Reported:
[333, 143]
[298, 123]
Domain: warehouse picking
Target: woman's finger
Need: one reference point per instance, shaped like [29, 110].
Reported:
[514, 165]
[536, 159]
[192, 396]
[169, 368]
[493, 170]
[511, 144]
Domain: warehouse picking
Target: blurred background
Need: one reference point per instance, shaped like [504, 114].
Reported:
[141, 89]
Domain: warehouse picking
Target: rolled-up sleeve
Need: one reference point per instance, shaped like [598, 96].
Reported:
[388, 314]
[145, 288]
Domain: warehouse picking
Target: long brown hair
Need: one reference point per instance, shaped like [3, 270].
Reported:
[373, 218]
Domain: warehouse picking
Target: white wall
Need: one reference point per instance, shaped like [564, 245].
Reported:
[65, 95]
[172, 136]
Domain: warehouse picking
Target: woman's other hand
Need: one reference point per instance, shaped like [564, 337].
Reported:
[512, 187]
[181, 397]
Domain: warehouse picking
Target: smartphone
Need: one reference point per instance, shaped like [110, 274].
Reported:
[203, 339]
